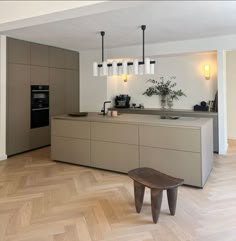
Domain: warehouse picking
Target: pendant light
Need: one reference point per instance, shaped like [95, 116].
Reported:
[146, 66]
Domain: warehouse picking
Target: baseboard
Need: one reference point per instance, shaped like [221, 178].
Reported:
[3, 157]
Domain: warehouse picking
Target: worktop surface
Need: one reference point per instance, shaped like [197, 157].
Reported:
[190, 122]
[158, 111]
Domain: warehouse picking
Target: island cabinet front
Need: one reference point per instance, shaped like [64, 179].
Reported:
[70, 141]
[114, 146]
[171, 150]
[184, 151]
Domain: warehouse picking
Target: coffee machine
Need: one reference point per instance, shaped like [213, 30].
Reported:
[122, 101]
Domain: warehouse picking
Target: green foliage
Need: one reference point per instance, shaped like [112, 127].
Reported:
[164, 88]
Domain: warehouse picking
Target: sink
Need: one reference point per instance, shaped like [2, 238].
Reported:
[169, 117]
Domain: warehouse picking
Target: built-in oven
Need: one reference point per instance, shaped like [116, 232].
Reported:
[39, 106]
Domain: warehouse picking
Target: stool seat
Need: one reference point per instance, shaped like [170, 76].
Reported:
[154, 179]
[157, 182]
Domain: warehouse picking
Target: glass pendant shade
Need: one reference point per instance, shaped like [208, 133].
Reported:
[131, 69]
[147, 65]
[136, 66]
[152, 68]
[125, 68]
[95, 69]
[100, 70]
[119, 70]
[141, 69]
[104, 68]
[114, 68]
[110, 72]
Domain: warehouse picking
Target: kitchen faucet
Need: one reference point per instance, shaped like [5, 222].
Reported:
[104, 107]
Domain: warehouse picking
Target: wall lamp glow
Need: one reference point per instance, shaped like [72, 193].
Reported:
[125, 77]
[207, 71]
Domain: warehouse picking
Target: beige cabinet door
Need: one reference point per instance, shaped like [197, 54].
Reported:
[39, 75]
[18, 106]
[70, 128]
[57, 91]
[39, 54]
[39, 137]
[56, 57]
[71, 60]
[175, 163]
[114, 156]
[114, 132]
[72, 91]
[176, 138]
[18, 51]
[70, 150]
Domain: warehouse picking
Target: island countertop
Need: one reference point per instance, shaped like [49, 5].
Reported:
[155, 120]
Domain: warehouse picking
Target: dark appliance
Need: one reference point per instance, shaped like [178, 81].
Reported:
[39, 106]
[122, 101]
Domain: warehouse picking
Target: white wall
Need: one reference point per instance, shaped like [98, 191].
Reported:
[93, 90]
[188, 70]
[2, 97]
[231, 93]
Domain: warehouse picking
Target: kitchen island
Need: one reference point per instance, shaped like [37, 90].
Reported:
[182, 148]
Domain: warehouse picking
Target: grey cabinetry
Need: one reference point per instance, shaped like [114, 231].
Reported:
[71, 141]
[71, 60]
[39, 137]
[57, 91]
[18, 51]
[18, 116]
[56, 57]
[72, 91]
[37, 64]
[39, 54]
[39, 75]
[114, 146]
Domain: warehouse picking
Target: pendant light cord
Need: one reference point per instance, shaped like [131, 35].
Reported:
[143, 27]
[102, 34]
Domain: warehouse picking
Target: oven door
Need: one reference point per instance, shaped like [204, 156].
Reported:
[39, 117]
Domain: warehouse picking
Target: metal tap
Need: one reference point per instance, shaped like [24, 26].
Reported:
[104, 107]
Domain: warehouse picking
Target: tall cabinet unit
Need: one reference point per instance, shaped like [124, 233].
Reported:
[37, 64]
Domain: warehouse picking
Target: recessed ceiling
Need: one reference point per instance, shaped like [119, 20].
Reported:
[166, 21]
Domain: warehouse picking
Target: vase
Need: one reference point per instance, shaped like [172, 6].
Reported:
[163, 100]
[170, 102]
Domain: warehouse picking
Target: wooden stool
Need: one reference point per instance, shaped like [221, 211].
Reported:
[157, 182]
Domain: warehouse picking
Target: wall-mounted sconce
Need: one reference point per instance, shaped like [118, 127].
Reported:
[207, 71]
[125, 77]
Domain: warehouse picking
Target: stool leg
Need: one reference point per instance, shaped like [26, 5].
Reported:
[138, 195]
[156, 199]
[172, 199]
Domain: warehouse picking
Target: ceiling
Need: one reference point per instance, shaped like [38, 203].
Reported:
[166, 21]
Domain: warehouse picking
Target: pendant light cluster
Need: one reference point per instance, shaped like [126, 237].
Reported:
[136, 67]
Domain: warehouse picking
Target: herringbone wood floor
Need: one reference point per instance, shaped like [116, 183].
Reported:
[43, 200]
